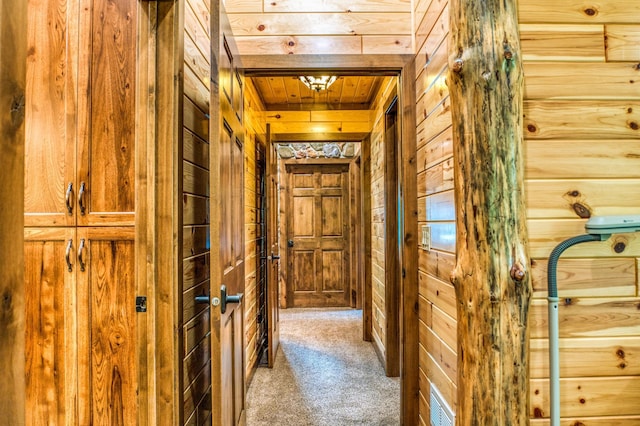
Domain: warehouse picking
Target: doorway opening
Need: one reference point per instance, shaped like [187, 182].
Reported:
[338, 123]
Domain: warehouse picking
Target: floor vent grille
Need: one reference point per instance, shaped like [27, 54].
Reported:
[441, 413]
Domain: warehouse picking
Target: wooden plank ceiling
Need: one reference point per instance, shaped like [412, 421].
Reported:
[289, 93]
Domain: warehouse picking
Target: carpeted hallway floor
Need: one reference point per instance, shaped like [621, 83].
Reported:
[324, 375]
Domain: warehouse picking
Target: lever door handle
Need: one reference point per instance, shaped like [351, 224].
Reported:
[226, 299]
[202, 300]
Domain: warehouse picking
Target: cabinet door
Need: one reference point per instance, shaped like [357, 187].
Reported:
[106, 112]
[107, 331]
[50, 338]
[50, 121]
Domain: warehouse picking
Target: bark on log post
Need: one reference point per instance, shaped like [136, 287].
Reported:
[491, 276]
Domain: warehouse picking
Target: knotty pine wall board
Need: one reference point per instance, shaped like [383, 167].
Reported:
[578, 11]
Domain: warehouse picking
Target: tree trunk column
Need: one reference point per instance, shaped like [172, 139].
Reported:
[491, 277]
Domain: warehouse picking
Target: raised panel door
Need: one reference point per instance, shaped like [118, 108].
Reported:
[51, 326]
[106, 112]
[318, 236]
[107, 327]
[50, 114]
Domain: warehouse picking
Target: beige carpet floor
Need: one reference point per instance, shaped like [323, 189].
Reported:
[324, 374]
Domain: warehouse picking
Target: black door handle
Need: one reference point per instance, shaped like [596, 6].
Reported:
[202, 300]
[225, 299]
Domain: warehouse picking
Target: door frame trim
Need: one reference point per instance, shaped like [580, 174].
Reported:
[404, 67]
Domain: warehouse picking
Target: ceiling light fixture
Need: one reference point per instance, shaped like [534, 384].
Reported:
[318, 83]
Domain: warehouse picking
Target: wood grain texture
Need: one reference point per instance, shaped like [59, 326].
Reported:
[582, 120]
[13, 39]
[622, 42]
[572, 80]
[51, 327]
[50, 113]
[106, 105]
[107, 364]
[600, 396]
[614, 356]
[605, 277]
[492, 261]
[582, 158]
[572, 199]
[562, 42]
[332, 23]
[578, 11]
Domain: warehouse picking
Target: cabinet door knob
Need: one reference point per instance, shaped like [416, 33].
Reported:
[81, 198]
[67, 198]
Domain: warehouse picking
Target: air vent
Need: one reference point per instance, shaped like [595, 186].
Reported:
[441, 413]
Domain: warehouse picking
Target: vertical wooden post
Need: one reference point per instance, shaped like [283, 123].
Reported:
[13, 50]
[491, 275]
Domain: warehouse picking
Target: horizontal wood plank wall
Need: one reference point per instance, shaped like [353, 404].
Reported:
[378, 332]
[437, 309]
[321, 27]
[255, 130]
[582, 138]
[196, 386]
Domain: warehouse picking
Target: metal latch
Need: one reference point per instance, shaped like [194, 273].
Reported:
[141, 303]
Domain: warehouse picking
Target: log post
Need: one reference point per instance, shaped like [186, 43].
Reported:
[13, 62]
[491, 276]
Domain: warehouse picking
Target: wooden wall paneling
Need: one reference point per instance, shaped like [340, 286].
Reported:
[106, 122]
[581, 120]
[585, 396]
[357, 6]
[611, 317]
[594, 421]
[301, 44]
[432, 30]
[604, 277]
[51, 326]
[573, 199]
[578, 12]
[562, 42]
[166, 223]
[614, 356]
[573, 80]
[622, 42]
[333, 23]
[548, 233]
[376, 44]
[13, 39]
[547, 159]
[52, 73]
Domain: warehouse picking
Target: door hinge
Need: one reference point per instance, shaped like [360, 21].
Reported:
[141, 303]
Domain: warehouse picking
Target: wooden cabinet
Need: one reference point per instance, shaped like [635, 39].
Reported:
[80, 114]
[80, 153]
[81, 353]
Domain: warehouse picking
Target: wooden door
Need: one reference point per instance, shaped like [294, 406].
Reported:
[318, 236]
[50, 121]
[51, 326]
[106, 112]
[107, 332]
[227, 229]
[273, 245]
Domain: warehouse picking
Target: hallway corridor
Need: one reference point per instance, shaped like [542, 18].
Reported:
[324, 374]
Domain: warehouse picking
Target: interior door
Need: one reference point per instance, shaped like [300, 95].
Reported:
[227, 229]
[318, 235]
[273, 263]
